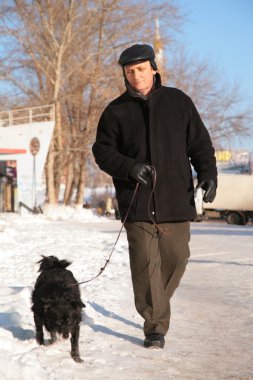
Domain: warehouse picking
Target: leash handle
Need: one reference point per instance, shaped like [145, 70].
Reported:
[122, 225]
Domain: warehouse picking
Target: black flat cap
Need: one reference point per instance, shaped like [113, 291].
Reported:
[137, 53]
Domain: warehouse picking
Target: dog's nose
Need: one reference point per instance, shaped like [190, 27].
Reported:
[66, 335]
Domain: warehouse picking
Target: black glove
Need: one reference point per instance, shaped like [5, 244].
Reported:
[141, 172]
[210, 190]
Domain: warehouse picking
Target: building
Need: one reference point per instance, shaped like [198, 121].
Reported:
[25, 136]
[234, 161]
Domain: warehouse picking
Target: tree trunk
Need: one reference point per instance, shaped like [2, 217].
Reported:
[50, 176]
[81, 182]
[59, 150]
[70, 193]
[69, 182]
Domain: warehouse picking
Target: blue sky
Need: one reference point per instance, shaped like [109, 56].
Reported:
[222, 31]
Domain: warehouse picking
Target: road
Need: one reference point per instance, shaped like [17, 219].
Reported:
[211, 333]
[216, 296]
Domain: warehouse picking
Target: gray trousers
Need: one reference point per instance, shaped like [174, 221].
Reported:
[157, 261]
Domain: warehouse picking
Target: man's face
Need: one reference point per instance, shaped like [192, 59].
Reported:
[140, 76]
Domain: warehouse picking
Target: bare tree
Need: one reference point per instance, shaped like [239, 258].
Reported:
[65, 51]
[218, 103]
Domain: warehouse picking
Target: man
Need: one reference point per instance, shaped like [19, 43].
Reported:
[151, 135]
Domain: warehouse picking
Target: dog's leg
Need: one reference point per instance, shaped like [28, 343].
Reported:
[75, 344]
[53, 336]
[39, 328]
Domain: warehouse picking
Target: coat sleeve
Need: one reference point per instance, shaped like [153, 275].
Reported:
[106, 148]
[199, 147]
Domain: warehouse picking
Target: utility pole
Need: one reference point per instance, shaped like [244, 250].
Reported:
[158, 48]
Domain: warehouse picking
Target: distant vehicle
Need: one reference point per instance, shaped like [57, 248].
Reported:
[233, 202]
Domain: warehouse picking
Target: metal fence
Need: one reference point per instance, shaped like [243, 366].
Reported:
[27, 115]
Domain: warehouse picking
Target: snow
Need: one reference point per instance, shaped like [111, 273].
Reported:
[211, 331]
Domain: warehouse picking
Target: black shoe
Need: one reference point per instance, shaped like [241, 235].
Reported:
[154, 340]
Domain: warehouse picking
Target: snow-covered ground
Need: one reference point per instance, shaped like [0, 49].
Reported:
[211, 334]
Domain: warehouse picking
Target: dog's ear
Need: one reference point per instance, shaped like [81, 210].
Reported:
[52, 262]
[76, 304]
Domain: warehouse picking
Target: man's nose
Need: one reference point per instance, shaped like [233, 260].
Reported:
[136, 74]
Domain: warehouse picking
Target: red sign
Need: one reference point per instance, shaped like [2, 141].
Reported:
[12, 151]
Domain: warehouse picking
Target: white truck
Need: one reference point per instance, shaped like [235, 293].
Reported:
[233, 202]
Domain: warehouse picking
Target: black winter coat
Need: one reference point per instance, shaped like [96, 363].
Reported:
[165, 131]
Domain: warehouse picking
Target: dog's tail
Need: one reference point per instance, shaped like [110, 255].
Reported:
[52, 262]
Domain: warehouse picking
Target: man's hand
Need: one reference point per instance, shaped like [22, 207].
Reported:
[141, 172]
[210, 190]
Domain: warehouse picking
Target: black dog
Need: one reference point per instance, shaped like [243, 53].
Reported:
[57, 304]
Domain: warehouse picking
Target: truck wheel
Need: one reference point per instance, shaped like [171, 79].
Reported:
[244, 220]
[233, 218]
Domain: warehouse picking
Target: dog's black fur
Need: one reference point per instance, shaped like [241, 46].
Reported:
[56, 303]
